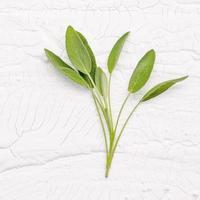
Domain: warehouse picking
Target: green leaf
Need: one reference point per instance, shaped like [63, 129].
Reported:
[115, 52]
[101, 82]
[160, 88]
[93, 60]
[86, 78]
[92, 57]
[142, 72]
[64, 68]
[77, 52]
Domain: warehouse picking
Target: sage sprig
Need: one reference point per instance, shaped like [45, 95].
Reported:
[84, 71]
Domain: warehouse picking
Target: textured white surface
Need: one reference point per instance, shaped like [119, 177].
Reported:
[51, 144]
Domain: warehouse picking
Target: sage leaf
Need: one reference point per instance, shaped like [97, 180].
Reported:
[65, 68]
[92, 57]
[86, 78]
[160, 88]
[77, 52]
[142, 72]
[98, 79]
[87, 73]
[101, 82]
[115, 52]
[93, 60]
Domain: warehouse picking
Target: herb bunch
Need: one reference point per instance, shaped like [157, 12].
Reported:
[88, 74]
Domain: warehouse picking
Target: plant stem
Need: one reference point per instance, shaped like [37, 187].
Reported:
[104, 104]
[97, 91]
[111, 155]
[112, 133]
[101, 120]
[97, 100]
[108, 165]
[109, 101]
[120, 112]
[107, 118]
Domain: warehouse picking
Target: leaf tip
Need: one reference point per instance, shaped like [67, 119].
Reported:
[69, 27]
[182, 78]
[127, 33]
[69, 30]
[152, 52]
[46, 50]
[185, 77]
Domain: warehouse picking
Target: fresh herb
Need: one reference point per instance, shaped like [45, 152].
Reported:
[86, 73]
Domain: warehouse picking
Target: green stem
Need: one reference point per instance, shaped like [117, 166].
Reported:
[108, 165]
[101, 106]
[106, 117]
[120, 112]
[111, 131]
[111, 155]
[105, 106]
[97, 91]
[103, 110]
[101, 120]
[109, 101]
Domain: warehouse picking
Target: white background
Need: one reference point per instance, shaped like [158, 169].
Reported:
[51, 143]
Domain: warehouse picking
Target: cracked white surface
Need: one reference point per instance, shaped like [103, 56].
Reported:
[51, 145]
